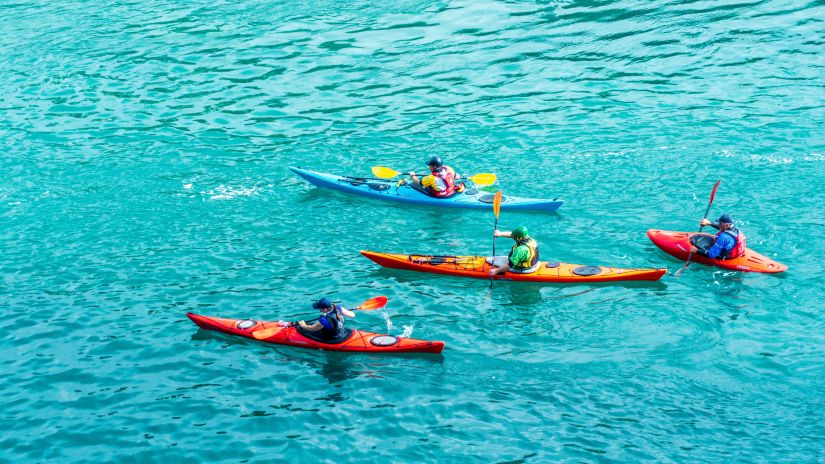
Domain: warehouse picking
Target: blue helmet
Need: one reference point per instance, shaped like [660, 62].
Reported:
[323, 303]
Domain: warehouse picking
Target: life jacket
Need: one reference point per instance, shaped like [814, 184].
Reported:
[739, 244]
[332, 322]
[533, 246]
[446, 174]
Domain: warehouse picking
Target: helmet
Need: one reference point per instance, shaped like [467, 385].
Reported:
[428, 181]
[435, 161]
[726, 219]
[519, 233]
[323, 303]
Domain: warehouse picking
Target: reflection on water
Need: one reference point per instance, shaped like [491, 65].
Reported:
[522, 295]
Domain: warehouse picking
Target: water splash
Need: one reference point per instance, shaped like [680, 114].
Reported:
[228, 192]
[408, 330]
[388, 320]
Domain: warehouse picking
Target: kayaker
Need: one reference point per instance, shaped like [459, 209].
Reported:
[441, 182]
[523, 257]
[330, 325]
[729, 243]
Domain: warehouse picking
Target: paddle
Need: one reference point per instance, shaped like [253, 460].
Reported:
[690, 255]
[376, 302]
[496, 210]
[482, 179]
[360, 179]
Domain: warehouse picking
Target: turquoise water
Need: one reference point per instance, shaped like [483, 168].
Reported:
[144, 150]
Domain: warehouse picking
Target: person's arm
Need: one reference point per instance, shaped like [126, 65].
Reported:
[705, 222]
[347, 312]
[414, 178]
[312, 328]
[498, 233]
[722, 244]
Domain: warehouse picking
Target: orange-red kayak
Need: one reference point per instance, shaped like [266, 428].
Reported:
[477, 267]
[358, 341]
[678, 245]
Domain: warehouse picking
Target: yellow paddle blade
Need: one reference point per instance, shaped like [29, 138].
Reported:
[266, 333]
[383, 172]
[497, 203]
[483, 179]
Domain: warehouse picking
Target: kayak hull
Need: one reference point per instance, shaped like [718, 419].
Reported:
[477, 267]
[388, 190]
[359, 341]
[677, 244]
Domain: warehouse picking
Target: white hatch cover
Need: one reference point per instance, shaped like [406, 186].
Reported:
[384, 340]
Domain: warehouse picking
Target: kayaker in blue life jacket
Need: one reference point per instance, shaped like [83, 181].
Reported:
[330, 325]
[523, 257]
[730, 241]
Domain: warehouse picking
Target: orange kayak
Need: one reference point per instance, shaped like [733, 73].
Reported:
[678, 245]
[272, 332]
[478, 267]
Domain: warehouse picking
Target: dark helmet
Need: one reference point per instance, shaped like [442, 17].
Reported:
[726, 219]
[435, 161]
[323, 303]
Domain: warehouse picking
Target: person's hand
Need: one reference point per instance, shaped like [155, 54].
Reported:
[705, 222]
[493, 272]
[302, 324]
[693, 249]
[412, 174]
[497, 233]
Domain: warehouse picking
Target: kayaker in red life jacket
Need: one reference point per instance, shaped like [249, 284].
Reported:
[730, 242]
[441, 182]
[523, 257]
[331, 323]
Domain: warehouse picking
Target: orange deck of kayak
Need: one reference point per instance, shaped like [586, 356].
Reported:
[477, 267]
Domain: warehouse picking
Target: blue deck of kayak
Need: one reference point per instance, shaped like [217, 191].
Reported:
[388, 190]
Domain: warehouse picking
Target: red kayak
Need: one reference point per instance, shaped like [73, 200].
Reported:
[358, 341]
[678, 244]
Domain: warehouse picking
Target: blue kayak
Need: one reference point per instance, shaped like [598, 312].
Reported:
[472, 198]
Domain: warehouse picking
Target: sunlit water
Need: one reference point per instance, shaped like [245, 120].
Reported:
[144, 152]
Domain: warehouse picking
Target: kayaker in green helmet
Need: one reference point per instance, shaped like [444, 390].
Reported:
[523, 257]
[330, 326]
